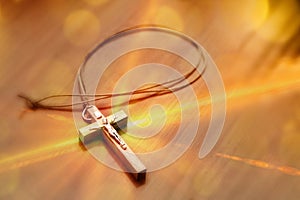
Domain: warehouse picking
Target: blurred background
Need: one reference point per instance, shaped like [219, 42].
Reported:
[256, 46]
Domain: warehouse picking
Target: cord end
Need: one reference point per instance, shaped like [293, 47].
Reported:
[31, 104]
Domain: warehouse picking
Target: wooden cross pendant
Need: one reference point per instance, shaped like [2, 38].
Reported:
[107, 127]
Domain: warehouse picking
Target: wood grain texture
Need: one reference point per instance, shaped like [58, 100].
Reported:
[256, 48]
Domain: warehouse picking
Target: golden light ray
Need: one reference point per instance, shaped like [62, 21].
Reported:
[262, 164]
[249, 92]
[40, 154]
[144, 119]
[60, 118]
[263, 89]
[71, 145]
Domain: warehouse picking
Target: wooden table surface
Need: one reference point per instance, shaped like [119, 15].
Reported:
[256, 46]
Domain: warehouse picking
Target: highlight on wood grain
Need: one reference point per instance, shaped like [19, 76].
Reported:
[262, 164]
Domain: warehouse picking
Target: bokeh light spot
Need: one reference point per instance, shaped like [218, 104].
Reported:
[206, 182]
[167, 16]
[96, 2]
[8, 182]
[18, 1]
[290, 140]
[5, 131]
[1, 17]
[81, 27]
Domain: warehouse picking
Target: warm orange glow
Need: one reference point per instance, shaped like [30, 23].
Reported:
[71, 145]
[283, 23]
[245, 14]
[56, 70]
[261, 164]
[255, 45]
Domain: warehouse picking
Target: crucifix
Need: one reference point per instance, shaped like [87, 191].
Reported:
[103, 56]
[106, 128]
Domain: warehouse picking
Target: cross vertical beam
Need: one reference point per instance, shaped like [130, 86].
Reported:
[107, 126]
